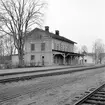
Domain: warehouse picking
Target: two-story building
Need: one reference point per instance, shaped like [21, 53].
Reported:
[45, 48]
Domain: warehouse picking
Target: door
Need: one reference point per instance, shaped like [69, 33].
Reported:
[42, 60]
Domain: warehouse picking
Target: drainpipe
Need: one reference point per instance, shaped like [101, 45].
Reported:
[71, 59]
[64, 59]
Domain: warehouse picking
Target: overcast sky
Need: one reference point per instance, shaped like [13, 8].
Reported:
[82, 21]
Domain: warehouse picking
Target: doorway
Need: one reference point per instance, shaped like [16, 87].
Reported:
[42, 60]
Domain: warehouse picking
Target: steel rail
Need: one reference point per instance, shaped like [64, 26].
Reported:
[81, 101]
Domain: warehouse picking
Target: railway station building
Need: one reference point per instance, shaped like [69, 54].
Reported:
[45, 48]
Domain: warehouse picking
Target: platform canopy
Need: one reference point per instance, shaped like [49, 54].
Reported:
[70, 53]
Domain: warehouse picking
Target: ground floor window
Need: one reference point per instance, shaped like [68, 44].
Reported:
[32, 57]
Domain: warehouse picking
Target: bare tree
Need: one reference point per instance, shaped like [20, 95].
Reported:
[17, 17]
[84, 49]
[1, 48]
[2, 51]
[9, 45]
[98, 50]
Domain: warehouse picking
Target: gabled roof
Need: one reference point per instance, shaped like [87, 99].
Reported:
[52, 35]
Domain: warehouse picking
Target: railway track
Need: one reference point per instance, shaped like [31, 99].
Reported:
[96, 97]
[7, 97]
[28, 76]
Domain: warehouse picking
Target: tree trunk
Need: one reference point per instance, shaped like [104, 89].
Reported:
[20, 56]
[100, 60]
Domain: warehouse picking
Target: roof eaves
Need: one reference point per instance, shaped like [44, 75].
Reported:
[61, 38]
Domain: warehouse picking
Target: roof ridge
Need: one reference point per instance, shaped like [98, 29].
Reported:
[53, 35]
[57, 35]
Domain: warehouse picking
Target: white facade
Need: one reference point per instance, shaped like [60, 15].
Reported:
[15, 60]
[48, 49]
[89, 59]
[37, 52]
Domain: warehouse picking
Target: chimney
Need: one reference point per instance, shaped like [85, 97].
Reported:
[47, 28]
[57, 32]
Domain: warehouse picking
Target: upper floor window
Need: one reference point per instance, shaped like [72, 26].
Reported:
[32, 47]
[54, 46]
[68, 48]
[61, 48]
[42, 46]
[64, 48]
[32, 57]
[57, 46]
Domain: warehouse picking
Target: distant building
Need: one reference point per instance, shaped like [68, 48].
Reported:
[90, 58]
[45, 48]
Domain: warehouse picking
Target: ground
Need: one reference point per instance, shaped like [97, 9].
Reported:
[53, 90]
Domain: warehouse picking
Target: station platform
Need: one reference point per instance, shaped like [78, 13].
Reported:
[15, 70]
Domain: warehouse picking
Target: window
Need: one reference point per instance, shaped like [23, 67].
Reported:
[70, 49]
[57, 46]
[32, 57]
[61, 48]
[54, 46]
[32, 47]
[42, 46]
[64, 48]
